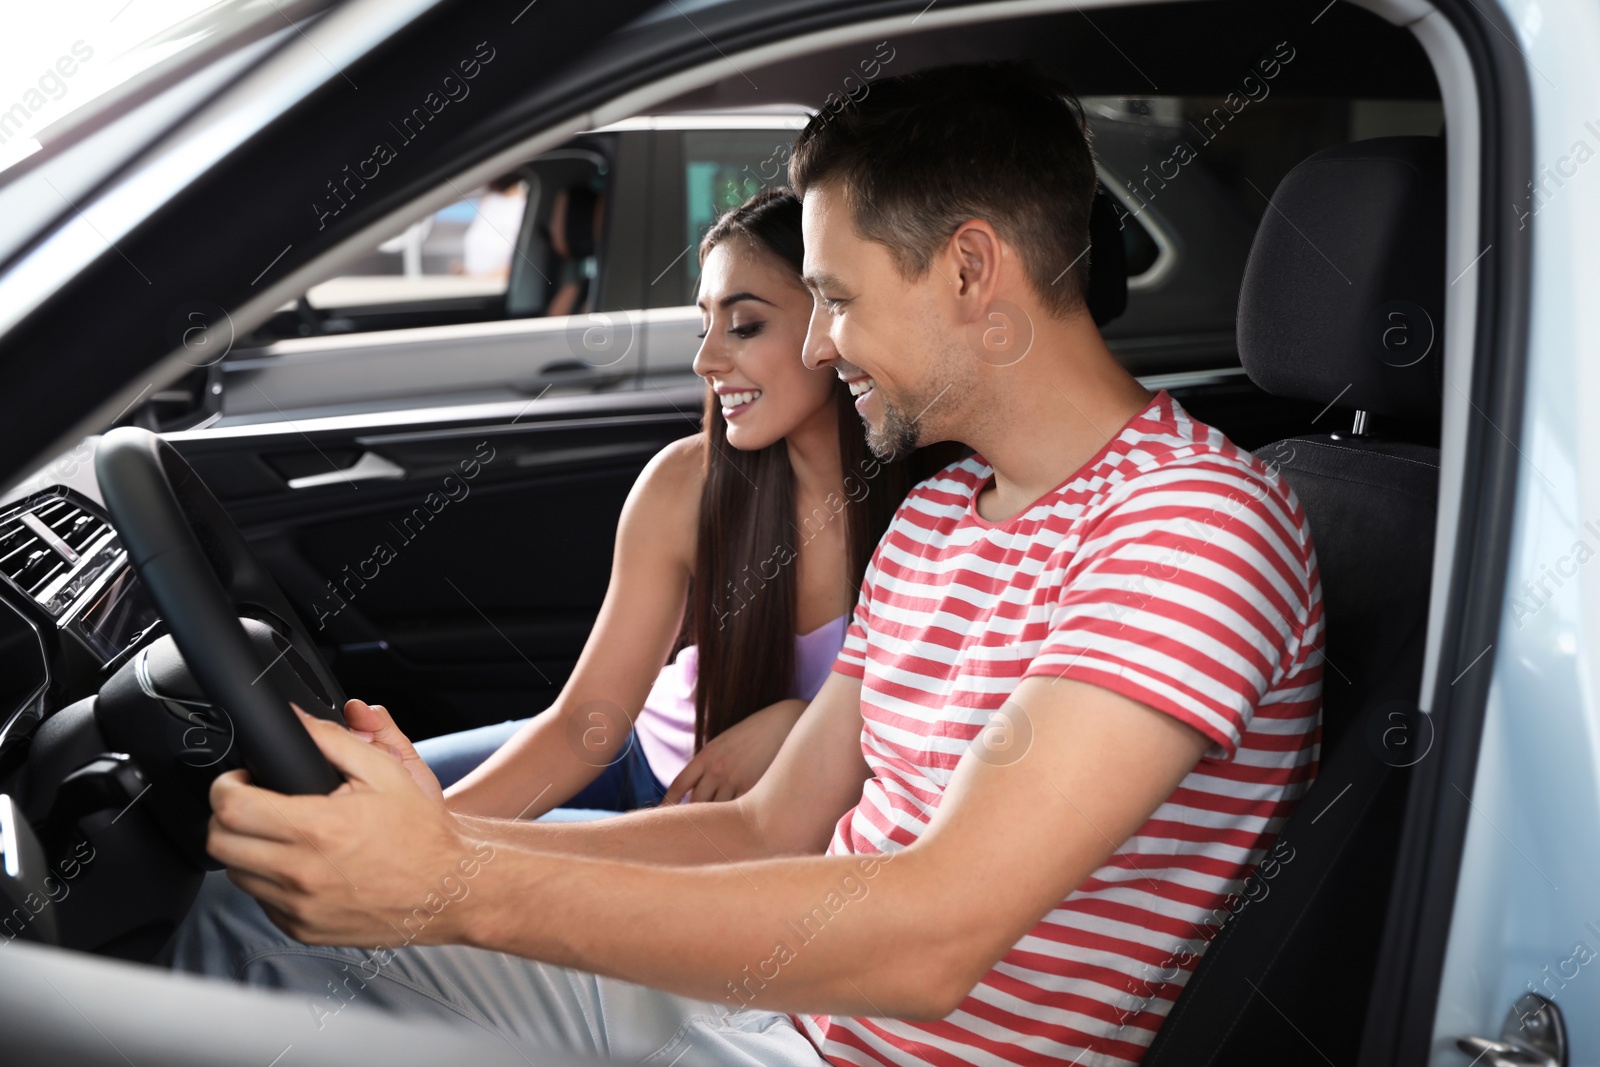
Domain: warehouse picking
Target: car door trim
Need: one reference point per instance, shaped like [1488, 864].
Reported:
[1472, 49]
[509, 429]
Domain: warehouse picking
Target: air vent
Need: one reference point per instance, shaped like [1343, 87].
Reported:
[26, 558]
[78, 529]
[52, 545]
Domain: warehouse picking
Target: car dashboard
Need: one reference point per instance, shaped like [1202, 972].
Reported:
[73, 610]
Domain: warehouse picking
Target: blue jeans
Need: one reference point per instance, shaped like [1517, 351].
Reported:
[623, 785]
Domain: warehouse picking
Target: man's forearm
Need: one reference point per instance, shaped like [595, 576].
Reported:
[679, 835]
[836, 934]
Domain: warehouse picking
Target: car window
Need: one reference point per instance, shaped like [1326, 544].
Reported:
[558, 266]
[527, 244]
[463, 250]
[721, 170]
[1192, 176]
[496, 296]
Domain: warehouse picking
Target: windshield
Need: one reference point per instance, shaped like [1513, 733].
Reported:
[67, 68]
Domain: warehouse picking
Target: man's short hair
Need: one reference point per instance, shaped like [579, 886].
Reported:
[922, 153]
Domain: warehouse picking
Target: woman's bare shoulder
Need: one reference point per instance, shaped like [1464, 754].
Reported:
[666, 498]
[679, 468]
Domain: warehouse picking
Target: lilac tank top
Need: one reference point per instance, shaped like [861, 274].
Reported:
[665, 726]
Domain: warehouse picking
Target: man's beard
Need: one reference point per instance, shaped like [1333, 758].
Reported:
[897, 437]
[902, 433]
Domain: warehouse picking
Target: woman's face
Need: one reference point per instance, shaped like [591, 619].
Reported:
[755, 313]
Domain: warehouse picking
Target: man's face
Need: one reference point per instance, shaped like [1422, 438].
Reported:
[895, 340]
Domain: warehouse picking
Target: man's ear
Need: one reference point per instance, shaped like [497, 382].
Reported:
[977, 253]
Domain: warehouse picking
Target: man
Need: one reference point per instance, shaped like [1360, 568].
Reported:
[1080, 693]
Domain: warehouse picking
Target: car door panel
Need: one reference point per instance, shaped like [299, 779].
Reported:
[461, 590]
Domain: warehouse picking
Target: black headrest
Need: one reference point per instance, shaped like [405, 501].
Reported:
[1107, 290]
[1343, 294]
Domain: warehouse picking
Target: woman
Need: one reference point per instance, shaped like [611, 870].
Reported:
[748, 539]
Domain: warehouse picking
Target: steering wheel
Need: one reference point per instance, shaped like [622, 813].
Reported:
[202, 576]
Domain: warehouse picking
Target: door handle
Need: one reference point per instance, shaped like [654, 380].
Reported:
[1503, 1053]
[1533, 1035]
[565, 368]
[567, 372]
[371, 467]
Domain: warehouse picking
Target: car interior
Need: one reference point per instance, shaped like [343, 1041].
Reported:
[1283, 275]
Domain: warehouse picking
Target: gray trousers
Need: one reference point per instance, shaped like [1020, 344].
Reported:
[534, 1006]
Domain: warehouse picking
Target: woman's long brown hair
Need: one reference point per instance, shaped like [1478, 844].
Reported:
[744, 611]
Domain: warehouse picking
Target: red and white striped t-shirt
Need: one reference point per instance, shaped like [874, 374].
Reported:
[1173, 568]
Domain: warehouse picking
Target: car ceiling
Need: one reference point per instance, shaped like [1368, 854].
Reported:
[1347, 52]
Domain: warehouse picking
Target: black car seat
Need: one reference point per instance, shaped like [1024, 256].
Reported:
[1342, 303]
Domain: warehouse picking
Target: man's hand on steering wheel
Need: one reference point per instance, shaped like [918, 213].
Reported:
[359, 865]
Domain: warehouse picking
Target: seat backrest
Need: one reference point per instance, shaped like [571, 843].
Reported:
[1342, 300]
[1371, 507]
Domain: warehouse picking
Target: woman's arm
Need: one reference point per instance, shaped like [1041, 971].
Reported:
[564, 748]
